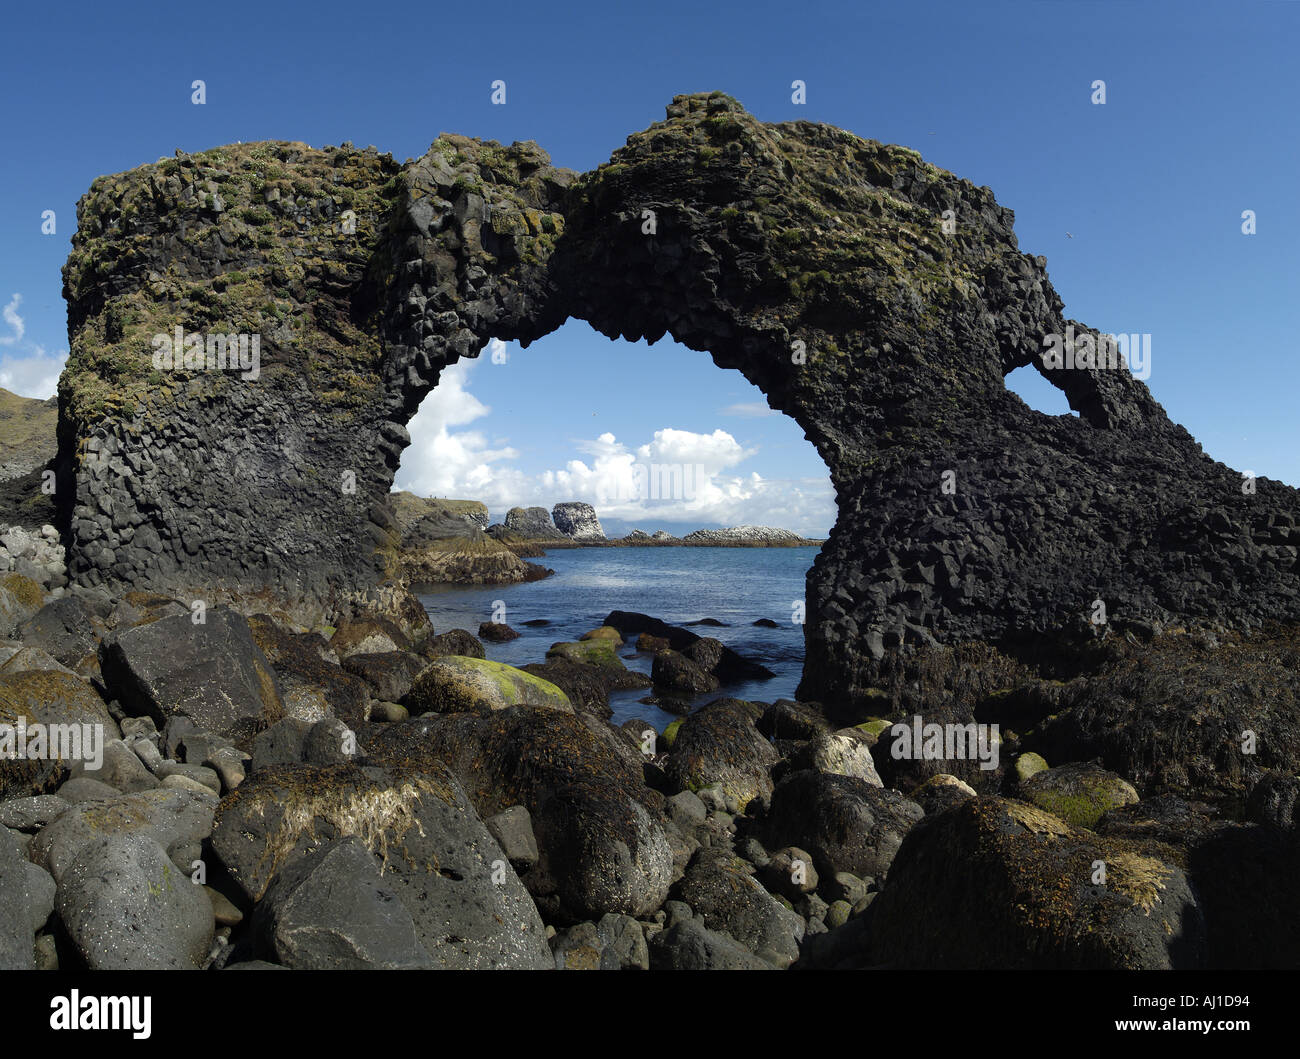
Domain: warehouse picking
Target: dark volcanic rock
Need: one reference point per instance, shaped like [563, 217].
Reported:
[601, 850]
[64, 628]
[1024, 897]
[718, 744]
[213, 673]
[815, 262]
[847, 824]
[467, 904]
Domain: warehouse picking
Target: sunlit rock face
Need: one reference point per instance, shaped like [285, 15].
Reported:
[312, 297]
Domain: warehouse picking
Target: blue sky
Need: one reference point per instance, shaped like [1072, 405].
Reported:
[1199, 125]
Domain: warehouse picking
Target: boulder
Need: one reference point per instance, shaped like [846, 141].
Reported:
[211, 672]
[333, 910]
[126, 907]
[47, 698]
[718, 745]
[846, 823]
[64, 628]
[1027, 897]
[725, 896]
[1078, 793]
[674, 670]
[468, 906]
[691, 946]
[600, 848]
[454, 684]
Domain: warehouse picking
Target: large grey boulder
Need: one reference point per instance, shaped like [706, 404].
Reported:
[469, 908]
[212, 672]
[334, 910]
[126, 906]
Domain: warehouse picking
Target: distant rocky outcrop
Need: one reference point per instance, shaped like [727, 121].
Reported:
[578, 521]
[747, 537]
[532, 523]
[444, 542]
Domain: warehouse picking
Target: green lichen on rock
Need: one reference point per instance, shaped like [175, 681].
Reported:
[454, 684]
[1078, 793]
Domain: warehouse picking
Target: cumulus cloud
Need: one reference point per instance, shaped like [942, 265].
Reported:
[465, 464]
[34, 375]
[13, 320]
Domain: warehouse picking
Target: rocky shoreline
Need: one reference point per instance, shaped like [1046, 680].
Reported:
[378, 795]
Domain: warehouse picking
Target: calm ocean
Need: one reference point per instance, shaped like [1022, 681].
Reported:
[678, 585]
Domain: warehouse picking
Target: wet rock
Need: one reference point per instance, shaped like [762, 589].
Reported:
[718, 745]
[845, 823]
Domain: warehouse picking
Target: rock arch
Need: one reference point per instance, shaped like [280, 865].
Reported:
[815, 262]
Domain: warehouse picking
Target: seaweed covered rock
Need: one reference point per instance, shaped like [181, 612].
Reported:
[1186, 715]
[467, 904]
[47, 697]
[600, 847]
[718, 745]
[1029, 895]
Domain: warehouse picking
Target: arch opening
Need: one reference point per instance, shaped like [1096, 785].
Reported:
[685, 469]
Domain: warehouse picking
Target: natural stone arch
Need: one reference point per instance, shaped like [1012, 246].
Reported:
[769, 242]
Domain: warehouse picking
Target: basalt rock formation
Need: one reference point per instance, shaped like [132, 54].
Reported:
[876, 299]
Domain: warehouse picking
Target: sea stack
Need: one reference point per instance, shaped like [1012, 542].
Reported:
[578, 520]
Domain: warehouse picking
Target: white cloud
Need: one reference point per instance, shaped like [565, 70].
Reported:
[36, 375]
[11, 317]
[748, 410]
[459, 465]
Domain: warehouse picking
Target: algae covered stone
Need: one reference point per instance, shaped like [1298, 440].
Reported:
[1078, 793]
[455, 684]
[599, 651]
